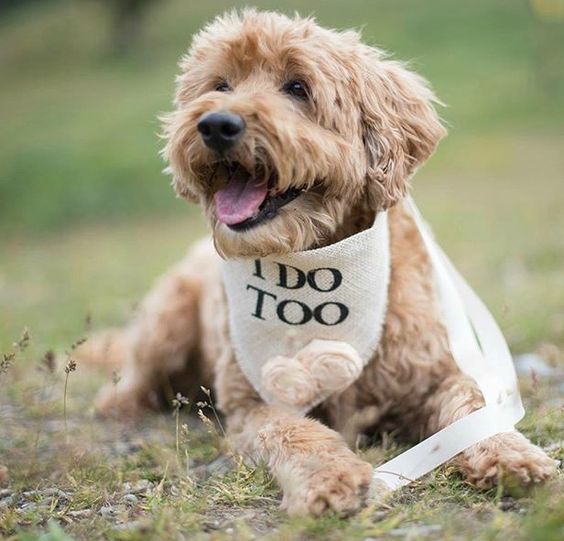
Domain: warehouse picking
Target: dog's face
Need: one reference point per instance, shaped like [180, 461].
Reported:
[282, 127]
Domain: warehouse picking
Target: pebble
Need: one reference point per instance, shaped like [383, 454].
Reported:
[125, 447]
[423, 529]
[29, 506]
[7, 501]
[379, 515]
[507, 503]
[529, 363]
[107, 511]
[131, 499]
[213, 524]
[142, 485]
[220, 466]
[80, 513]
[56, 492]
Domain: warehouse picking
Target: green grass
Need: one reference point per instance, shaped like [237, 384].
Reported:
[502, 230]
[127, 482]
[499, 237]
[78, 139]
[87, 222]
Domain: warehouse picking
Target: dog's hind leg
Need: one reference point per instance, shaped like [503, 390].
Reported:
[162, 340]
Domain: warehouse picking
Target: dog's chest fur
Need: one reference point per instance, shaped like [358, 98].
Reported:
[404, 370]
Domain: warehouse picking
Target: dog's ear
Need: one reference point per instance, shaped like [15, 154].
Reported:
[173, 133]
[399, 124]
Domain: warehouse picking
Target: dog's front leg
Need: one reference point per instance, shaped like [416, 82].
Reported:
[509, 454]
[312, 463]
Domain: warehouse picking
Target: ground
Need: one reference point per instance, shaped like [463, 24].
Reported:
[87, 222]
[146, 481]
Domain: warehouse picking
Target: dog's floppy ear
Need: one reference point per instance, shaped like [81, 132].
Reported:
[173, 132]
[399, 124]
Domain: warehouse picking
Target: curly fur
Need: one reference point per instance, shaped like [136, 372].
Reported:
[352, 146]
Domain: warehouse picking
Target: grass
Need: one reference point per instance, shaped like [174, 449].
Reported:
[502, 229]
[53, 282]
[79, 125]
[87, 222]
[121, 482]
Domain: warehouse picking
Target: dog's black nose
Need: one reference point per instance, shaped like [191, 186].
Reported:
[220, 131]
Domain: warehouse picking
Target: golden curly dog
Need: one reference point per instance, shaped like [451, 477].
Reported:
[313, 133]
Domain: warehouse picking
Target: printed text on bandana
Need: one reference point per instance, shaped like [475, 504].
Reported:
[271, 281]
[279, 304]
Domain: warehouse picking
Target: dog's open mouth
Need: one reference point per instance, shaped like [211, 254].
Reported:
[247, 200]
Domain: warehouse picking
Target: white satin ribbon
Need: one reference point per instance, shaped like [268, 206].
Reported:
[480, 351]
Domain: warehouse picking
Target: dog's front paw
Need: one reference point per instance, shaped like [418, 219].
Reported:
[318, 370]
[322, 483]
[288, 382]
[509, 456]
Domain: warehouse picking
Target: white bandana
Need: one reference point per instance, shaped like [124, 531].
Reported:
[284, 310]
[304, 325]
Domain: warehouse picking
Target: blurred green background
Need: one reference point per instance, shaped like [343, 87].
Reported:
[87, 219]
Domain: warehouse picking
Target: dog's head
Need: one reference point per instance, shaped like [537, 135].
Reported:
[282, 127]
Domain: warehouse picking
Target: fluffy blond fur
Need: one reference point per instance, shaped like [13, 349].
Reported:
[352, 146]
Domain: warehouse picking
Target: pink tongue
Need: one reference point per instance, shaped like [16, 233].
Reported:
[240, 199]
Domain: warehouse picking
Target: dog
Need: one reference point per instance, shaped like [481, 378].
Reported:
[293, 137]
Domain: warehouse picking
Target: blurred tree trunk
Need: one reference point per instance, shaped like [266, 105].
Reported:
[13, 5]
[127, 22]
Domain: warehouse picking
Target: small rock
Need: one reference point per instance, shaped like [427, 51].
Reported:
[56, 492]
[414, 530]
[125, 447]
[80, 513]
[131, 499]
[529, 363]
[142, 485]
[507, 503]
[220, 466]
[7, 502]
[107, 511]
[199, 473]
[212, 525]
[379, 515]
[5, 492]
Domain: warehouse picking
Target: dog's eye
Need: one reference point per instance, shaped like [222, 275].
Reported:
[296, 88]
[222, 86]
